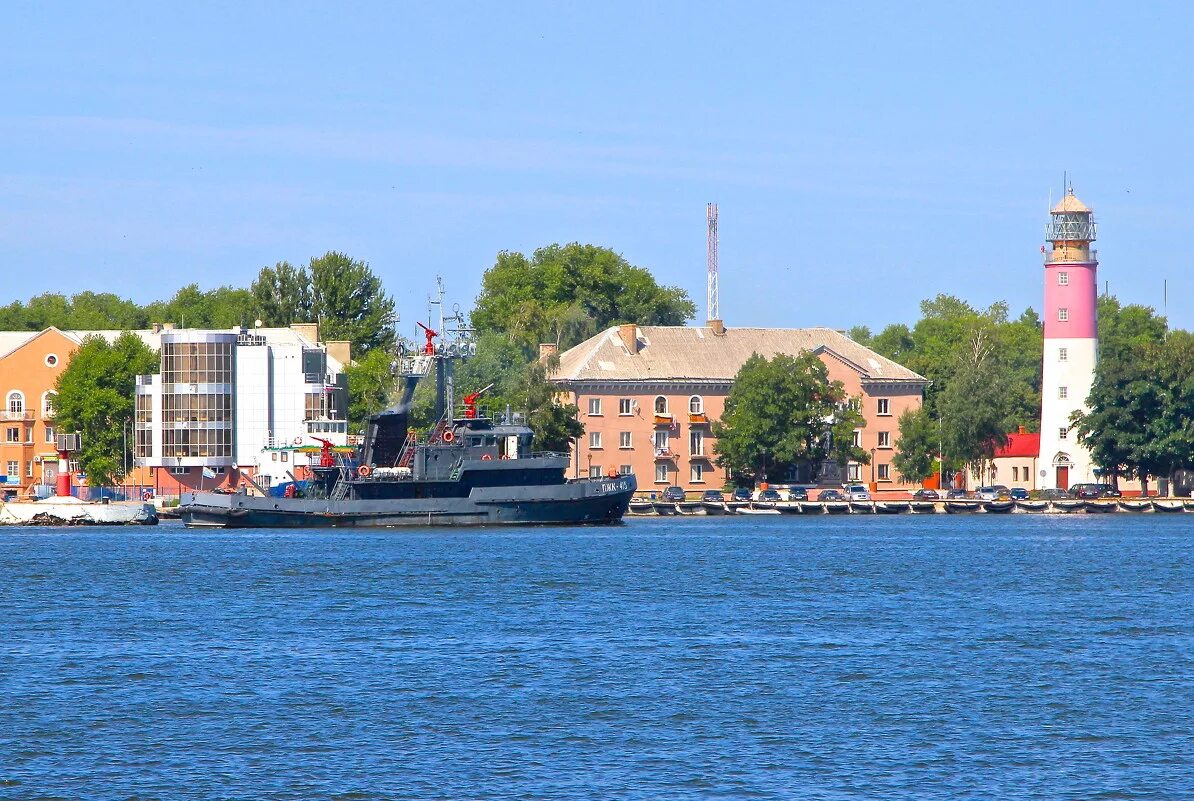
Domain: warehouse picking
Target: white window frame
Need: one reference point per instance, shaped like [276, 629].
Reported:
[696, 437]
[12, 435]
[883, 407]
[625, 407]
[884, 439]
[51, 435]
[883, 472]
[1063, 279]
[13, 468]
[624, 440]
[696, 405]
[696, 473]
[625, 470]
[655, 404]
[595, 407]
[1063, 314]
[853, 471]
[47, 403]
[594, 471]
[594, 440]
[180, 471]
[14, 402]
[661, 470]
[661, 437]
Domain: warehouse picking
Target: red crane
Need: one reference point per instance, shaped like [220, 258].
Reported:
[325, 452]
[470, 402]
[431, 334]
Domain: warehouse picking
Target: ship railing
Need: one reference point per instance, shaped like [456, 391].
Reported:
[550, 454]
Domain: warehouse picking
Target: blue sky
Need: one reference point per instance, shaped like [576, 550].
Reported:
[863, 156]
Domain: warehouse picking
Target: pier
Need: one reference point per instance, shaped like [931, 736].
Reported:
[655, 508]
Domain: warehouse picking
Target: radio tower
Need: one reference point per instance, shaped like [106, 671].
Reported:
[711, 262]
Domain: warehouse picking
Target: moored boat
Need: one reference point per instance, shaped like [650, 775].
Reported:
[1136, 506]
[1101, 507]
[1168, 506]
[1069, 507]
[923, 507]
[862, 507]
[961, 507]
[1032, 506]
[999, 507]
[890, 507]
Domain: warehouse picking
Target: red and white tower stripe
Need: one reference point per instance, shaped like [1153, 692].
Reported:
[1071, 340]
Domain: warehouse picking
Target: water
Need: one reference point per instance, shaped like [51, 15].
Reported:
[832, 658]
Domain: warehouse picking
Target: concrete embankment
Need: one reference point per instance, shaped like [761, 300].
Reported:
[60, 511]
[647, 508]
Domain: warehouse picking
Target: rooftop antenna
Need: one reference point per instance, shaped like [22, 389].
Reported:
[711, 262]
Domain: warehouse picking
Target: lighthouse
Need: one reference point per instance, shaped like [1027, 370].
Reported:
[1071, 341]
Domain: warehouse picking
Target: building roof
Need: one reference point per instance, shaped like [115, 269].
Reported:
[1020, 444]
[1069, 203]
[684, 353]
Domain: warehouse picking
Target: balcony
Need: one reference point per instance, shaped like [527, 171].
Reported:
[1071, 255]
[664, 453]
[663, 419]
[698, 419]
[12, 416]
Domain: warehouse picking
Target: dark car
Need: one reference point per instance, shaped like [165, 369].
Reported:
[831, 495]
[741, 494]
[1018, 494]
[926, 495]
[1090, 491]
[713, 496]
[673, 494]
[798, 494]
[770, 495]
[957, 494]
[1053, 494]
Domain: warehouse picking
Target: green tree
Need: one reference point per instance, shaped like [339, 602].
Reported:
[96, 396]
[555, 424]
[777, 413]
[1123, 328]
[917, 450]
[349, 302]
[282, 295]
[371, 383]
[566, 293]
[974, 406]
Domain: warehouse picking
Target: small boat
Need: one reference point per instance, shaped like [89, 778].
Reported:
[862, 507]
[889, 508]
[789, 508]
[923, 507]
[812, 508]
[1100, 507]
[764, 505]
[1136, 506]
[642, 508]
[664, 508]
[715, 508]
[758, 509]
[836, 507]
[732, 507]
[690, 508]
[961, 507]
[1032, 506]
[1188, 504]
[999, 507]
[1168, 506]
[1069, 506]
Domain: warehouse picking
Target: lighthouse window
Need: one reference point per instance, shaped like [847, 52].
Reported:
[1063, 392]
[1063, 433]
[1063, 354]
[1063, 315]
[1063, 279]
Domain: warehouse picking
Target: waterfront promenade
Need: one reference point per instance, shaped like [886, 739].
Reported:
[918, 657]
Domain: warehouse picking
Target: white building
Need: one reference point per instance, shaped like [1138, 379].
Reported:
[239, 400]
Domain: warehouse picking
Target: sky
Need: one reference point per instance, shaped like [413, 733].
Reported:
[864, 156]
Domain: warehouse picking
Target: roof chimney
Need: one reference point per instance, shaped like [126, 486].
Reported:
[629, 334]
[718, 326]
[547, 350]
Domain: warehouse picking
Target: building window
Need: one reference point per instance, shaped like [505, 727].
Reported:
[197, 362]
[595, 439]
[696, 405]
[624, 439]
[29, 435]
[884, 472]
[594, 407]
[660, 441]
[624, 470]
[16, 403]
[14, 469]
[51, 436]
[594, 471]
[661, 474]
[1024, 472]
[1063, 433]
[1063, 315]
[47, 403]
[1063, 354]
[1063, 279]
[696, 443]
[625, 407]
[29, 469]
[1063, 392]
[853, 471]
[1015, 474]
[697, 473]
[51, 359]
[180, 471]
[660, 405]
[884, 439]
[884, 406]
[12, 434]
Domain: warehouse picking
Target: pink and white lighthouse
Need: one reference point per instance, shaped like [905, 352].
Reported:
[1071, 341]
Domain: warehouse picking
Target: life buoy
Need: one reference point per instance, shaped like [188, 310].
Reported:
[448, 436]
[298, 440]
[147, 495]
[363, 471]
[486, 458]
[505, 456]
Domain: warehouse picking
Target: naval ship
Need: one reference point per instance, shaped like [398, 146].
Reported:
[471, 469]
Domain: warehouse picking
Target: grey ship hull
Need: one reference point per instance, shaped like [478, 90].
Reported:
[578, 502]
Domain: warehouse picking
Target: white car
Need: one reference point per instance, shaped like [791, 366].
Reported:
[858, 492]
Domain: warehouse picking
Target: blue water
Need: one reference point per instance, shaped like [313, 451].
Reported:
[1017, 657]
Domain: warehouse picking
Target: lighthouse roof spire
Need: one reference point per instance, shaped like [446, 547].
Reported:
[1070, 204]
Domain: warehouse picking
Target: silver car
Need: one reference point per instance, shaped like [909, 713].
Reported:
[858, 492]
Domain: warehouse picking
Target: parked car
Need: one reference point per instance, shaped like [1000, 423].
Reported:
[798, 494]
[770, 495]
[713, 496]
[1053, 494]
[831, 495]
[858, 492]
[926, 495]
[957, 495]
[993, 492]
[741, 494]
[673, 494]
[1088, 491]
[1018, 494]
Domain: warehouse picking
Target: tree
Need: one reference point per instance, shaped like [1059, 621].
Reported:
[371, 382]
[96, 396]
[282, 295]
[917, 450]
[974, 407]
[350, 303]
[555, 424]
[778, 414]
[564, 294]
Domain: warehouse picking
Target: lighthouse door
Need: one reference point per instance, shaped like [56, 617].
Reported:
[1063, 477]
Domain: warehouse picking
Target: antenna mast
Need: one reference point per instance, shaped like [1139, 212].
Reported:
[711, 261]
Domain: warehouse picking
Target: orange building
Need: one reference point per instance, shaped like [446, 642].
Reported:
[648, 396]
